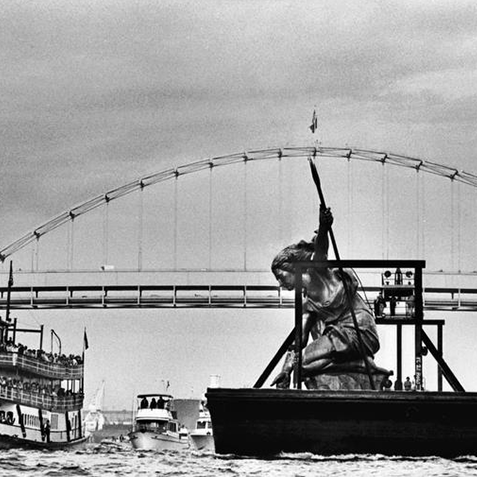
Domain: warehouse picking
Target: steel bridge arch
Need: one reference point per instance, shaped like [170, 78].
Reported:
[253, 155]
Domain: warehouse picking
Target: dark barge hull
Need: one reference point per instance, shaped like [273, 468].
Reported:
[266, 422]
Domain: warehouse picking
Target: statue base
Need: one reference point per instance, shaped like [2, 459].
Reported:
[350, 376]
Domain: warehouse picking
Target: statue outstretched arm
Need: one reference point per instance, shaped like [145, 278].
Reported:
[322, 242]
[282, 380]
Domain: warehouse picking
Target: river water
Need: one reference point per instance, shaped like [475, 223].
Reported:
[102, 461]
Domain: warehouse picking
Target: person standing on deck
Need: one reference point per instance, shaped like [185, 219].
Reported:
[379, 305]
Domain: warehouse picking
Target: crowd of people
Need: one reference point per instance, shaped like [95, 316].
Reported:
[9, 383]
[159, 404]
[21, 350]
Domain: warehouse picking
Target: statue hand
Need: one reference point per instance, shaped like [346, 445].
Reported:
[326, 217]
[282, 381]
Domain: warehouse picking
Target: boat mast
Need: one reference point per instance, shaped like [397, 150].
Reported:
[9, 293]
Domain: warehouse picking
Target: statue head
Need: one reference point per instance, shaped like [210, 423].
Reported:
[299, 252]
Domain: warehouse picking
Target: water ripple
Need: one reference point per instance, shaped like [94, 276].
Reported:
[104, 461]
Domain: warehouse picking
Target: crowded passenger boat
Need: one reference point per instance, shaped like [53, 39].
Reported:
[41, 393]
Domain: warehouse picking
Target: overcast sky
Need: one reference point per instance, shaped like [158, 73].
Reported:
[98, 93]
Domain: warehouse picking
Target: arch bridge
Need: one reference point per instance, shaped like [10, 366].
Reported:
[203, 234]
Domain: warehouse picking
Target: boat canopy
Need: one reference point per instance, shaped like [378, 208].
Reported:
[164, 396]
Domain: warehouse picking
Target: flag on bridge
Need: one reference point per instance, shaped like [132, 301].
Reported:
[85, 341]
[314, 122]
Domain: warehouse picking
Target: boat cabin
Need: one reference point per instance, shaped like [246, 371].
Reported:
[204, 424]
[154, 413]
[155, 425]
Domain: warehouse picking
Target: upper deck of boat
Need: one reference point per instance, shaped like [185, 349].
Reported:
[28, 365]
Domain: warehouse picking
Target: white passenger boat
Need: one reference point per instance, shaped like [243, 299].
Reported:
[156, 426]
[41, 393]
[40, 402]
[202, 437]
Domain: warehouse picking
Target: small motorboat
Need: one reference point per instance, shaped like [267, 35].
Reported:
[202, 436]
[156, 426]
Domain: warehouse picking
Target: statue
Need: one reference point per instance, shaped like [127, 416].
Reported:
[327, 318]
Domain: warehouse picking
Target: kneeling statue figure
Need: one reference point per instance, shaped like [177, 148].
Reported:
[327, 316]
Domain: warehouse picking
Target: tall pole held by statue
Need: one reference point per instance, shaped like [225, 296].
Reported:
[316, 179]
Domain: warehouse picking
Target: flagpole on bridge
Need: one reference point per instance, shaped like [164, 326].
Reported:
[314, 122]
[314, 126]
[85, 342]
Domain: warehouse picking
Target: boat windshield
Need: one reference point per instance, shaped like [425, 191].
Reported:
[155, 425]
[203, 425]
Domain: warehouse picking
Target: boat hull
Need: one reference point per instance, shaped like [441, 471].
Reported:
[270, 421]
[157, 441]
[202, 442]
[23, 428]
[15, 442]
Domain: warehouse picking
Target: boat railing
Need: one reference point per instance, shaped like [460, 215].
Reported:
[37, 366]
[42, 400]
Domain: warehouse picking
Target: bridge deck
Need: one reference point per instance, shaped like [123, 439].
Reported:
[200, 296]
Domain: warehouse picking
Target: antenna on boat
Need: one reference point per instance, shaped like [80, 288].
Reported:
[316, 179]
[9, 292]
[55, 335]
[7, 311]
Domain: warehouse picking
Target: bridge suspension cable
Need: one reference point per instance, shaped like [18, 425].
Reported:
[255, 155]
